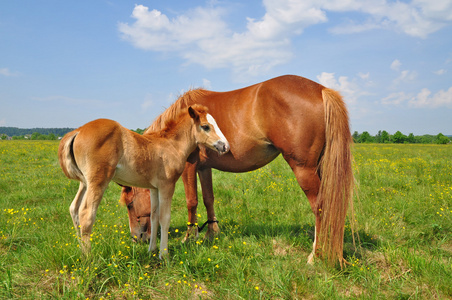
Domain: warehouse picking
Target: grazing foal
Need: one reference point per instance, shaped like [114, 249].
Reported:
[102, 151]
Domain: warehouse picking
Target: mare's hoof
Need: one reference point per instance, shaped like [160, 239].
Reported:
[192, 234]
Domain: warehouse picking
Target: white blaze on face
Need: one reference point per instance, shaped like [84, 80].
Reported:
[217, 129]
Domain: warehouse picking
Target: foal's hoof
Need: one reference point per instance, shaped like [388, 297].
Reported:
[164, 255]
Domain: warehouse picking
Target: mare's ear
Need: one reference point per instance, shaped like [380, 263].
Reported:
[193, 113]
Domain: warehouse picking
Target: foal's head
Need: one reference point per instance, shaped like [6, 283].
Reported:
[206, 130]
[138, 202]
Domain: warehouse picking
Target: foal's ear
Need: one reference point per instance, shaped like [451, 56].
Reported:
[193, 113]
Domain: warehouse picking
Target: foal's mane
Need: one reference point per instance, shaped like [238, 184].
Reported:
[169, 117]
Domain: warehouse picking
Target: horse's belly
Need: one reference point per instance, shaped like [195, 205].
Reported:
[128, 177]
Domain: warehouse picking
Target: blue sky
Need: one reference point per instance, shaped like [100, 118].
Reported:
[64, 63]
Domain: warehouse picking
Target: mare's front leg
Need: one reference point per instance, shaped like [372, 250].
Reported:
[205, 176]
[154, 219]
[191, 196]
[165, 197]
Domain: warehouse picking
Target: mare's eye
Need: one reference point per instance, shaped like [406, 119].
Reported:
[205, 127]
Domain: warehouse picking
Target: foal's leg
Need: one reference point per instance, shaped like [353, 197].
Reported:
[87, 213]
[309, 181]
[191, 195]
[154, 219]
[205, 176]
[75, 205]
[165, 197]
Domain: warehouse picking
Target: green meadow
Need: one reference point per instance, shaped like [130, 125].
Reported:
[403, 233]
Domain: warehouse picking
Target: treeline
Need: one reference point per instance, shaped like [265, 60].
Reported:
[17, 132]
[399, 138]
[382, 137]
[14, 133]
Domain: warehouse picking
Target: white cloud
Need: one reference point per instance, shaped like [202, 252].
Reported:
[438, 9]
[424, 99]
[417, 18]
[153, 30]
[6, 72]
[440, 99]
[396, 99]
[395, 65]
[285, 17]
[349, 89]
[440, 72]
[364, 76]
[206, 84]
[404, 76]
[202, 36]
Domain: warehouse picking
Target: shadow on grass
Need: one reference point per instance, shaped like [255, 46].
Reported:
[301, 235]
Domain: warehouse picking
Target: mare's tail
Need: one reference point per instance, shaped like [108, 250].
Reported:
[66, 157]
[337, 181]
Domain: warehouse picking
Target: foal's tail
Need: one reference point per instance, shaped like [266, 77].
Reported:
[337, 181]
[66, 157]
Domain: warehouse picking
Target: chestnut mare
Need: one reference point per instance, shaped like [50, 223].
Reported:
[102, 151]
[305, 122]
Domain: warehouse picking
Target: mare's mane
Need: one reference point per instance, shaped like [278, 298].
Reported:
[169, 117]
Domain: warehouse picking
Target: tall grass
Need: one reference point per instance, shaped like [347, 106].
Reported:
[403, 214]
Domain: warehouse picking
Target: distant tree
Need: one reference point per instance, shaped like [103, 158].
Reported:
[355, 136]
[442, 139]
[425, 139]
[3, 137]
[14, 131]
[35, 136]
[384, 137]
[138, 130]
[378, 137]
[365, 137]
[399, 137]
[411, 139]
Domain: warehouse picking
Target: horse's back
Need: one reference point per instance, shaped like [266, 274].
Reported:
[98, 132]
[279, 98]
[98, 145]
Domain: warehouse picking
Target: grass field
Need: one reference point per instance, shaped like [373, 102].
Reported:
[403, 214]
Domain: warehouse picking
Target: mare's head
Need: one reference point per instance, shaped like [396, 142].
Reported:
[138, 204]
[206, 130]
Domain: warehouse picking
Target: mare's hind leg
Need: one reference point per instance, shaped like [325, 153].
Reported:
[309, 181]
[87, 213]
[205, 176]
[75, 205]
